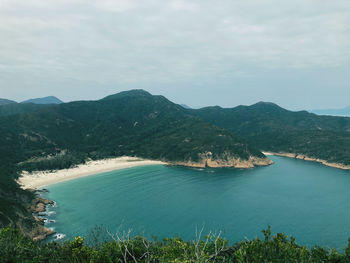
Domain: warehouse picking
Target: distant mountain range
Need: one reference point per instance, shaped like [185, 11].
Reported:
[5, 101]
[136, 123]
[334, 112]
[45, 100]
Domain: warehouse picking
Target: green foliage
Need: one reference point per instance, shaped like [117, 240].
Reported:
[18, 108]
[135, 123]
[59, 161]
[271, 128]
[279, 248]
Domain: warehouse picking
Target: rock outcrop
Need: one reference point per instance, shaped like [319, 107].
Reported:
[35, 228]
[207, 159]
[310, 159]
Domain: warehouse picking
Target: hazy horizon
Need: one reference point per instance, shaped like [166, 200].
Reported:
[198, 53]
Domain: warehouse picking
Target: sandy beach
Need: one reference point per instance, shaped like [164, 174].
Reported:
[38, 180]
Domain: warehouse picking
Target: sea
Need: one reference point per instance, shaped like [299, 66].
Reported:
[306, 200]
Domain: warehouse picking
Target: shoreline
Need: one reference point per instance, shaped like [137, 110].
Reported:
[40, 179]
[309, 159]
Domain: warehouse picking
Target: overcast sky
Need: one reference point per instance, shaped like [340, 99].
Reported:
[197, 52]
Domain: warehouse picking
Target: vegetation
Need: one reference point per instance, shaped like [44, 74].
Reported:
[279, 248]
[272, 128]
[135, 123]
[18, 108]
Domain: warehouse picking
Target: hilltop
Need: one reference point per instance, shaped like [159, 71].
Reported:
[135, 123]
[44, 100]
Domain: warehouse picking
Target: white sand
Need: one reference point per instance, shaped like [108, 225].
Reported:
[37, 180]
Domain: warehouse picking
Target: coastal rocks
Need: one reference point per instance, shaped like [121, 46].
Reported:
[38, 207]
[310, 159]
[59, 236]
[225, 160]
[40, 233]
[34, 228]
[39, 204]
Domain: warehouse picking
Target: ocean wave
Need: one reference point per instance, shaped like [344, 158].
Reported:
[198, 169]
[48, 221]
[59, 236]
[52, 205]
[50, 213]
[46, 213]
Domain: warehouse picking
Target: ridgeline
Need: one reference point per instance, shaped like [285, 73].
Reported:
[136, 123]
[271, 128]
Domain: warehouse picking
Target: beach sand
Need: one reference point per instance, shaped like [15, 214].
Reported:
[38, 180]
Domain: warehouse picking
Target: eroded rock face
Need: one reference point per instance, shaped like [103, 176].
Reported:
[34, 227]
[226, 160]
[40, 233]
[39, 204]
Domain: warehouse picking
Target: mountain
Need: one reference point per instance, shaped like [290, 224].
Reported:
[334, 112]
[45, 100]
[133, 123]
[136, 123]
[6, 101]
[272, 128]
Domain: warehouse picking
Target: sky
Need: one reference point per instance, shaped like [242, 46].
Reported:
[195, 52]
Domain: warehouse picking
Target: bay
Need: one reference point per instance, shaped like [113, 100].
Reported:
[304, 199]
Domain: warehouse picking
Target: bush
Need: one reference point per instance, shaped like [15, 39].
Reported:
[121, 248]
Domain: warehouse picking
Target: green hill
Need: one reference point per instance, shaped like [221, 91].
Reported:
[272, 128]
[136, 123]
[133, 123]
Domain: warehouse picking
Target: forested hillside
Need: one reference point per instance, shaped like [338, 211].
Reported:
[272, 128]
[134, 123]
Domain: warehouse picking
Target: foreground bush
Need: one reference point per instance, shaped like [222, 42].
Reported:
[17, 248]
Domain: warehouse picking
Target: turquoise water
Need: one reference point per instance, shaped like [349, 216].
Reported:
[306, 200]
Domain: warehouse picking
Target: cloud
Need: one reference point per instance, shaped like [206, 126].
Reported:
[116, 5]
[154, 42]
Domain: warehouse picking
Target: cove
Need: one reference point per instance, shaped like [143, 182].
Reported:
[304, 199]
